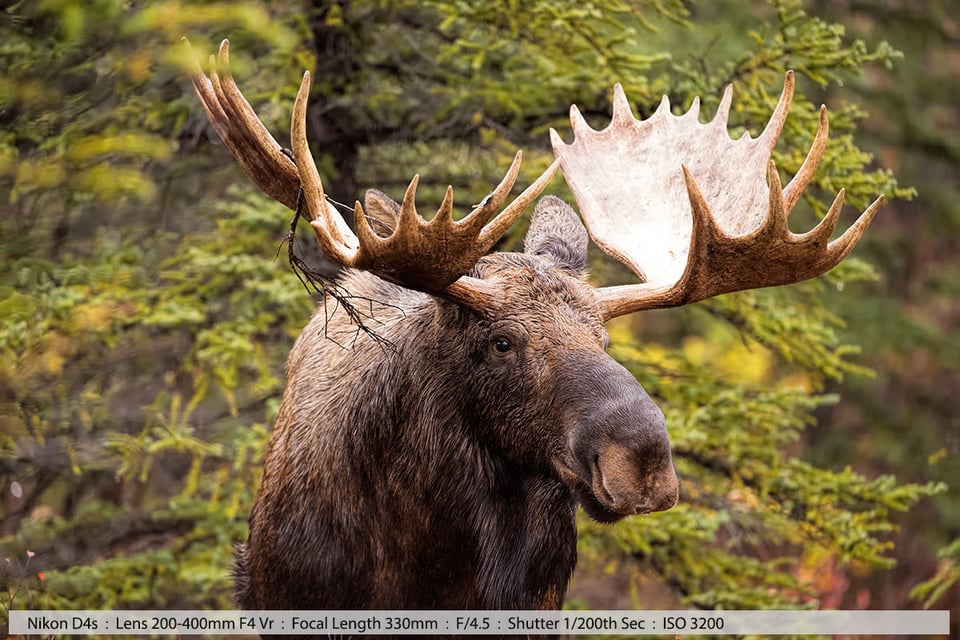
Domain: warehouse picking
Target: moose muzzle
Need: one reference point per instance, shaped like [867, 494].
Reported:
[620, 450]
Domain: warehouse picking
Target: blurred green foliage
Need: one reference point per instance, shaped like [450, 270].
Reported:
[905, 419]
[146, 314]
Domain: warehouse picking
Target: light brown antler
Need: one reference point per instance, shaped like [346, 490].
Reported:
[237, 124]
[430, 256]
[693, 212]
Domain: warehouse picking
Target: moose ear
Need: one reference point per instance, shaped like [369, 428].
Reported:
[556, 231]
[381, 211]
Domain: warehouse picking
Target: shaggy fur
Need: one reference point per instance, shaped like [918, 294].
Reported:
[443, 471]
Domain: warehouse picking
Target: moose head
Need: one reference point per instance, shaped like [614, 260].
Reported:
[445, 473]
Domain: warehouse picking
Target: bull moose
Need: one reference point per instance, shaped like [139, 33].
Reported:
[444, 472]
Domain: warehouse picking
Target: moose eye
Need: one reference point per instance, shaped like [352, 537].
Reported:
[501, 345]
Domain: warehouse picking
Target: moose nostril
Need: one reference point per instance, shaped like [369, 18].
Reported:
[599, 482]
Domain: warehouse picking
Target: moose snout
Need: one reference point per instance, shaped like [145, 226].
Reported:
[623, 454]
[618, 445]
[628, 480]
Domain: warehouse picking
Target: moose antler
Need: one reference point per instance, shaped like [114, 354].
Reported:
[693, 212]
[430, 256]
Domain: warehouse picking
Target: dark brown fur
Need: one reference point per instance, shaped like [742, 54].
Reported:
[438, 472]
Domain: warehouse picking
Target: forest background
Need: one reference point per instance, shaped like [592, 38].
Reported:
[146, 305]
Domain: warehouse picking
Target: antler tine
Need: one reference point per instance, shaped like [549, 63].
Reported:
[821, 233]
[333, 235]
[206, 94]
[842, 246]
[445, 212]
[722, 116]
[674, 179]
[481, 214]
[622, 114]
[796, 187]
[499, 225]
[409, 218]
[235, 121]
[479, 220]
[771, 133]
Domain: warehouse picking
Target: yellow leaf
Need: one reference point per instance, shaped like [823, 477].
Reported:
[52, 362]
[92, 317]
